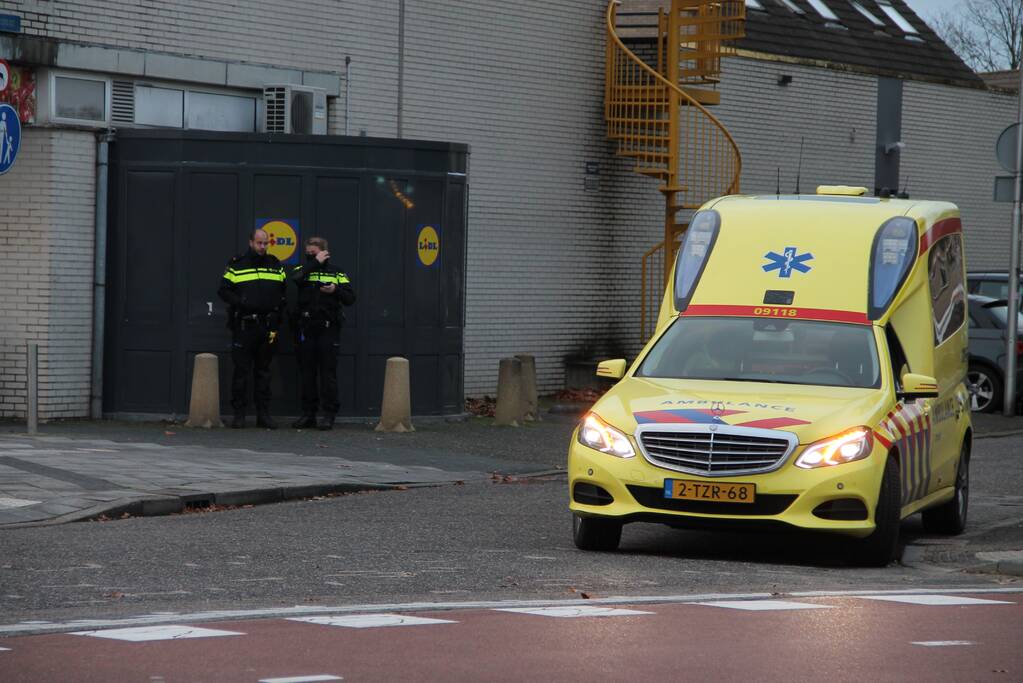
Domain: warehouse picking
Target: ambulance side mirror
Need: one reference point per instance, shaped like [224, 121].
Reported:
[612, 369]
[916, 386]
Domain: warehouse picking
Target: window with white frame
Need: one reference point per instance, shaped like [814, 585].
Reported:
[868, 15]
[896, 16]
[823, 10]
[164, 107]
[79, 99]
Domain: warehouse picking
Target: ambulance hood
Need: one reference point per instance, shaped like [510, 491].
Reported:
[809, 412]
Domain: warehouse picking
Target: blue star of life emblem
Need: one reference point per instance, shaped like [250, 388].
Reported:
[787, 261]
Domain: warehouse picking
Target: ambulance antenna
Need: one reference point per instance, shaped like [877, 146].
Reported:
[777, 187]
[904, 194]
[799, 168]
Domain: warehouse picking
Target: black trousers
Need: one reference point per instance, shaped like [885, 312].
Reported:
[251, 353]
[317, 361]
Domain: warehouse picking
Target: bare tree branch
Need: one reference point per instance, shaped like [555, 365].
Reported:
[984, 33]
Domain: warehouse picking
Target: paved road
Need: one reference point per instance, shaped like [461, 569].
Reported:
[500, 540]
[946, 636]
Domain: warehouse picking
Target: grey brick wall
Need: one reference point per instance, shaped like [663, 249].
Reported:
[552, 270]
[46, 235]
[950, 154]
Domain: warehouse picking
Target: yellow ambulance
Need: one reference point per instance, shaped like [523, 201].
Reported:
[807, 371]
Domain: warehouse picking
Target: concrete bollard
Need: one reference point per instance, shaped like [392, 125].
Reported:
[530, 411]
[396, 410]
[509, 393]
[204, 407]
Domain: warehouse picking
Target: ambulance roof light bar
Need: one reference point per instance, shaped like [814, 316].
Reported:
[844, 190]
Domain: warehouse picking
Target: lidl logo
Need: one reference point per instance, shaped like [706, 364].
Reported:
[284, 237]
[428, 245]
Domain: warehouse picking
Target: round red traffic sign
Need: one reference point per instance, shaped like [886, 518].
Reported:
[5, 75]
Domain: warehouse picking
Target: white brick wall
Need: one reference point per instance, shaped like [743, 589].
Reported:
[552, 270]
[950, 137]
[46, 237]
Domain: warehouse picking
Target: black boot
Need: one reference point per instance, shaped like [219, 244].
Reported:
[325, 423]
[265, 421]
[239, 421]
[305, 422]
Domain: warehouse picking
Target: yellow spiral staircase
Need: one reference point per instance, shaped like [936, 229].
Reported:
[658, 115]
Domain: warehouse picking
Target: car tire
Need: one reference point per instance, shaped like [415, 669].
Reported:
[950, 518]
[985, 388]
[880, 548]
[596, 533]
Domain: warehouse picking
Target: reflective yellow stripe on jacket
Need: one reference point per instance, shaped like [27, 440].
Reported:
[329, 278]
[250, 274]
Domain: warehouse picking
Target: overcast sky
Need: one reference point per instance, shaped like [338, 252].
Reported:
[930, 8]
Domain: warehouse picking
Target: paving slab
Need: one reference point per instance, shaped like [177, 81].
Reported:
[55, 479]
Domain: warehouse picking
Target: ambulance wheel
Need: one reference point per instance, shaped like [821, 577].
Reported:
[950, 518]
[985, 388]
[881, 547]
[595, 533]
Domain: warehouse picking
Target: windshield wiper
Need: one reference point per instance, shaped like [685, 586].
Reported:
[755, 379]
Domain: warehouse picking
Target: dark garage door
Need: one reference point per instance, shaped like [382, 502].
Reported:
[182, 203]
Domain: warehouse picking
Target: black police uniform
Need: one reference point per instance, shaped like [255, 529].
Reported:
[253, 286]
[317, 325]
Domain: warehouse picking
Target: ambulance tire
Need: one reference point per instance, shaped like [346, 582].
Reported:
[881, 547]
[950, 518]
[596, 533]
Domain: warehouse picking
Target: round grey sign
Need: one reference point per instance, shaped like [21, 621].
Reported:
[1005, 148]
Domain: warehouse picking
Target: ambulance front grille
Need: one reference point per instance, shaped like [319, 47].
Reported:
[714, 450]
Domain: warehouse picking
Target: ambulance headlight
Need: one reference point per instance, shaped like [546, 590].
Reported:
[602, 437]
[854, 444]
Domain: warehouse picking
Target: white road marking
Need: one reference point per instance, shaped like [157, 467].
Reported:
[11, 629]
[941, 643]
[302, 679]
[571, 612]
[763, 605]
[6, 502]
[372, 620]
[170, 632]
[935, 600]
[5, 649]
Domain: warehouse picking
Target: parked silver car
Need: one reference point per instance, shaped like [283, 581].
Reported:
[986, 374]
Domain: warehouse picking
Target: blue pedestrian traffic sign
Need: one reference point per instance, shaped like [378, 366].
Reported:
[10, 137]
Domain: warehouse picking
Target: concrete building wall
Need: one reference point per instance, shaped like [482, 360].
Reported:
[46, 235]
[950, 154]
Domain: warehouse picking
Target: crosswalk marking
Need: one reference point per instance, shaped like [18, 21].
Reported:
[570, 612]
[941, 643]
[302, 679]
[935, 600]
[763, 605]
[144, 633]
[372, 620]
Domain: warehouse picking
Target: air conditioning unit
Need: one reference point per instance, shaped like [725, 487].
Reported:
[297, 109]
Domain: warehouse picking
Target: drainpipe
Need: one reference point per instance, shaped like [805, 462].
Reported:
[401, 64]
[99, 286]
[348, 92]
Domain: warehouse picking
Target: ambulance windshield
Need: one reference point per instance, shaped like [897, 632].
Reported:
[766, 350]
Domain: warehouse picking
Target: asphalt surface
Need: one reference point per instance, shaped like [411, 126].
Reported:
[507, 538]
[934, 637]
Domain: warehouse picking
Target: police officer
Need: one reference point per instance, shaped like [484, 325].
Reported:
[322, 290]
[253, 287]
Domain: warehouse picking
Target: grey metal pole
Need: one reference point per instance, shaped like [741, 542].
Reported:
[348, 92]
[32, 389]
[401, 65]
[1009, 400]
[99, 281]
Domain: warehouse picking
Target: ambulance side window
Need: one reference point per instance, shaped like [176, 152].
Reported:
[900, 364]
[948, 293]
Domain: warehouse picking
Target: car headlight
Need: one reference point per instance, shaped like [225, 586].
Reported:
[854, 444]
[601, 436]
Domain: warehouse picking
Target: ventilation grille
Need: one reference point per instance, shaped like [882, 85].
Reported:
[122, 102]
[275, 104]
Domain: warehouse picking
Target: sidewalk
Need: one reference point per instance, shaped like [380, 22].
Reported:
[83, 469]
[80, 470]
